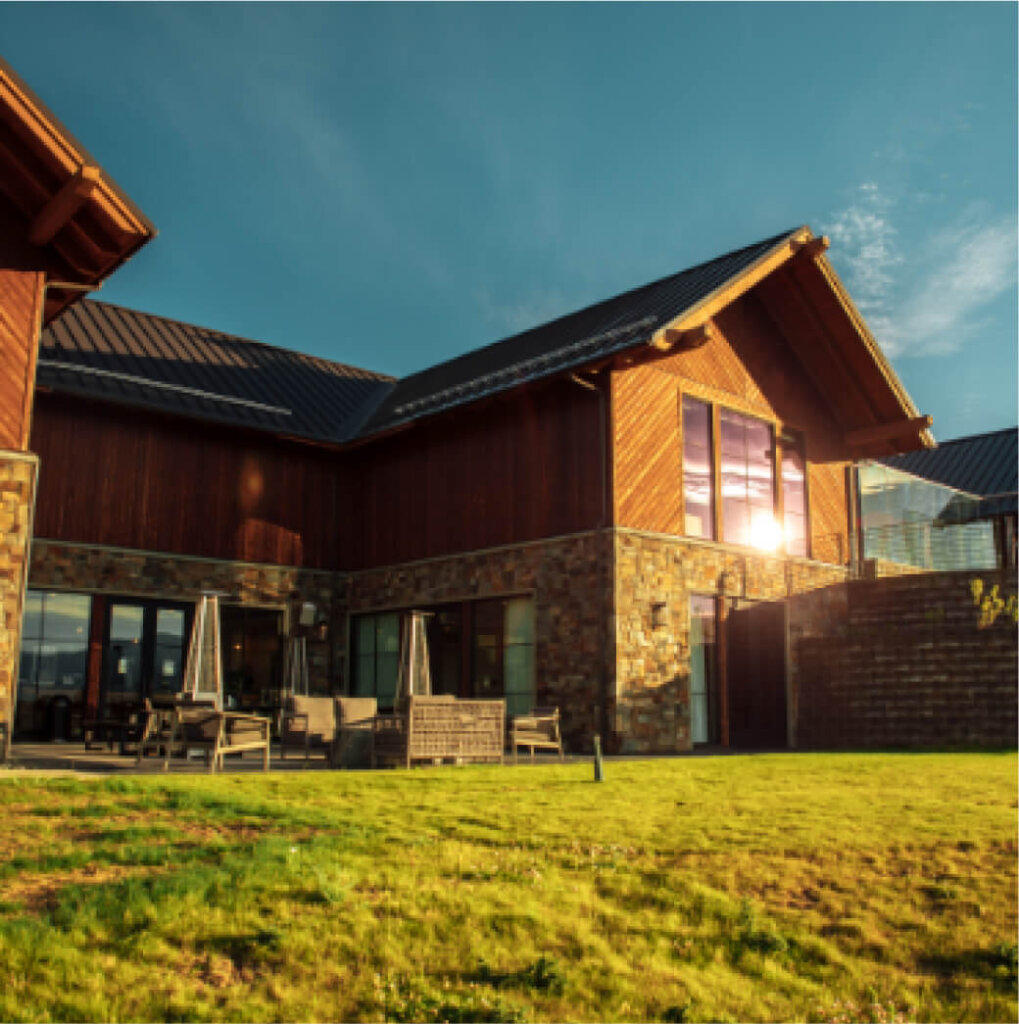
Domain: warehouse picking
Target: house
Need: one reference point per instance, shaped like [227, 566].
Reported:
[603, 513]
[953, 506]
[65, 226]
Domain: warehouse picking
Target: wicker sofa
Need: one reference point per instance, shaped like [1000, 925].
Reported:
[437, 729]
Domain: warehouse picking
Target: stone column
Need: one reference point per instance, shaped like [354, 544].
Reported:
[18, 475]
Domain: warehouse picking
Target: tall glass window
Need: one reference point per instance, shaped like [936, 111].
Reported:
[748, 482]
[794, 501]
[54, 654]
[698, 489]
[376, 657]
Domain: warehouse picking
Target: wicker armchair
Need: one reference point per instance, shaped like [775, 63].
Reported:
[442, 728]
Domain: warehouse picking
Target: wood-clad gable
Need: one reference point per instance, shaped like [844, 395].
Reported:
[746, 365]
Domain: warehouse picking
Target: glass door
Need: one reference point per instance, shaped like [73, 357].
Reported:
[702, 668]
[146, 644]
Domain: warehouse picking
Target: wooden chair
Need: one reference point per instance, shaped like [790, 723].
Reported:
[308, 722]
[217, 733]
[538, 729]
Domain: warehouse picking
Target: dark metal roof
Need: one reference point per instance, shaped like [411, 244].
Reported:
[985, 465]
[105, 351]
[101, 350]
[569, 342]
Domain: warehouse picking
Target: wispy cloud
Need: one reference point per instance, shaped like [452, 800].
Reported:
[935, 301]
[530, 311]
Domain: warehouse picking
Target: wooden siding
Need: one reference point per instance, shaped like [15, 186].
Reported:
[517, 469]
[114, 476]
[514, 470]
[747, 366]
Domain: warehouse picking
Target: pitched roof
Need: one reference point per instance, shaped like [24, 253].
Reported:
[567, 343]
[101, 350]
[985, 465]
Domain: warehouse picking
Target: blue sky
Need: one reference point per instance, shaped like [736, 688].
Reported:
[391, 185]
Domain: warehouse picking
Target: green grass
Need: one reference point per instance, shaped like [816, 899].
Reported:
[781, 887]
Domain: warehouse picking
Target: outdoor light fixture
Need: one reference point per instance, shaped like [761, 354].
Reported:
[657, 614]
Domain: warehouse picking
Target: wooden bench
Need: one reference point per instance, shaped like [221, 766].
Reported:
[441, 728]
[538, 729]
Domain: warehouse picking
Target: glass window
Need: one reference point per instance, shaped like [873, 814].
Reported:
[518, 656]
[794, 501]
[54, 654]
[375, 660]
[126, 633]
[748, 482]
[702, 668]
[698, 486]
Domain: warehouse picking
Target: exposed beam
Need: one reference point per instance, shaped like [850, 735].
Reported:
[813, 247]
[888, 431]
[74, 193]
[670, 340]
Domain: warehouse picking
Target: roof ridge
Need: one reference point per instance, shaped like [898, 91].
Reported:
[225, 335]
[626, 292]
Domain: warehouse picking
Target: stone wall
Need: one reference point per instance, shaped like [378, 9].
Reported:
[18, 474]
[907, 662]
[130, 573]
[570, 579]
[652, 693]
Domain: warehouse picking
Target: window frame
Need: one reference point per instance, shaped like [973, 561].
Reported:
[782, 438]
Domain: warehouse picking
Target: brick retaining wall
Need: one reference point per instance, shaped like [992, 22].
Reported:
[905, 662]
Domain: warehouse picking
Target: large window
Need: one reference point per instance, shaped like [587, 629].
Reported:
[748, 481]
[746, 501]
[698, 487]
[54, 654]
[495, 638]
[794, 499]
[376, 656]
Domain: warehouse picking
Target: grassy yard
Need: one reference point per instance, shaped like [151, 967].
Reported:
[781, 887]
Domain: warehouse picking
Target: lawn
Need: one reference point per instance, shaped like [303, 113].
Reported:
[876, 887]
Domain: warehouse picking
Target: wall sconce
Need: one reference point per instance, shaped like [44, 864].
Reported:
[322, 630]
[657, 614]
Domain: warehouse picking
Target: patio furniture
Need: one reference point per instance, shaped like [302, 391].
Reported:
[440, 728]
[355, 724]
[157, 728]
[216, 733]
[538, 729]
[308, 723]
[120, 723]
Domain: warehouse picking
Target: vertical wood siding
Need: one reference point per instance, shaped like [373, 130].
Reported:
[20, 296]
[518, 469]
[749, 367]
[130, 479]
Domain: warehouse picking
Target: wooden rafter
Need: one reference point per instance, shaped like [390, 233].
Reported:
[895, 431]
[76, 191]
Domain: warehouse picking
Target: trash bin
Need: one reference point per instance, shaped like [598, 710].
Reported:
[60, 719]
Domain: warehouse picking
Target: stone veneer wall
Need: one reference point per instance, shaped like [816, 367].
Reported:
[570, 578]
[18, 474]
[652, 698]
[126, 572]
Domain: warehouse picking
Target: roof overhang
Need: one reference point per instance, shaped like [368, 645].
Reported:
[804, 296]
[75, 215]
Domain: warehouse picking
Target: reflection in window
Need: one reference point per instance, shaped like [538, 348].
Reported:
[794, 501]
[54, 653]
[748, 482]
[698, 489]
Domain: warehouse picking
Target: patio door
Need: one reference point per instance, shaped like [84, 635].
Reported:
[144, 649]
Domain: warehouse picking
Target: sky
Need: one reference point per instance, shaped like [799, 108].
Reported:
[392, 185]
